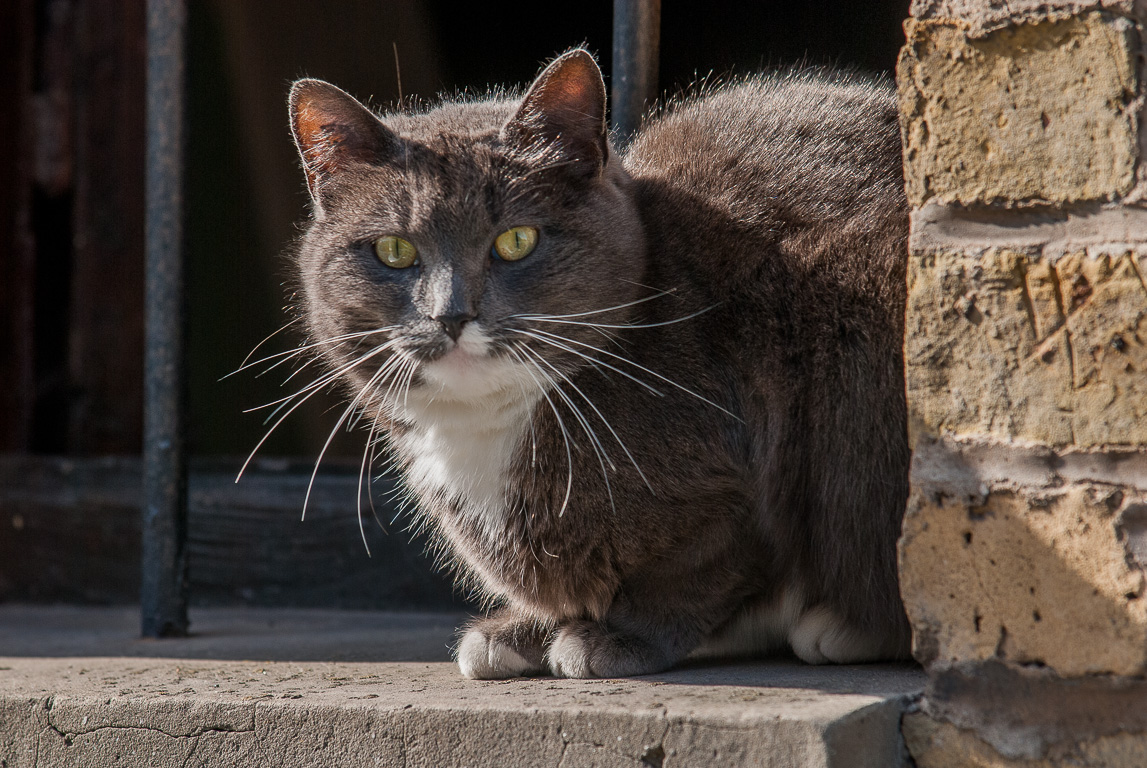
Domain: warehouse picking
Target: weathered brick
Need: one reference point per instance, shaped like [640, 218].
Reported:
[934, 744]
[987, 15]
[1106, 304]
[1047, 576]
[1024, 546]
[1012, 345]
[1031, 113]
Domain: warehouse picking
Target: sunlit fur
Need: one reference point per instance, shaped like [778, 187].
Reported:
[678, 424]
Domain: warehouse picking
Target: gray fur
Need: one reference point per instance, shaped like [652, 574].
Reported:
[770, 213]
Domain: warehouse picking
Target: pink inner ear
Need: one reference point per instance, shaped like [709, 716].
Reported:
[333, 130]
[318, 134]
[567, 104]
[575, 86]
[310, 125]
[573, 94]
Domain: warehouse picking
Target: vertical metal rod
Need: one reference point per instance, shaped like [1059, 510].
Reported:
[636, 44]
[163, 594]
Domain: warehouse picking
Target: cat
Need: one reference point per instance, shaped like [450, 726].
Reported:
[650, 401]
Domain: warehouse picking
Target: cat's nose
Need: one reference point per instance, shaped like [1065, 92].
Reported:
[452, 324]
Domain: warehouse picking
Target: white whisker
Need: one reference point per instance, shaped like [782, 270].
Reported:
[313, 390]
[368, 456]
[598, 448]
[588, 358]
[381, 372]
[604, 421]
[643, 368]
[267, 338]
[409, 381]
[565, 434]
[322, 381]
[657, 295]
[374, 440]
[544, 319]
[288, 354]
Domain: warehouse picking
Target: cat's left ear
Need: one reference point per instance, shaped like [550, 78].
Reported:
[565, 109]
[333, 132]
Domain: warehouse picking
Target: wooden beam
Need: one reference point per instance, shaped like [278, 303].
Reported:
[70, 532]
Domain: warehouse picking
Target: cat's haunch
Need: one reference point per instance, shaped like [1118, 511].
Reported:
[650, 401]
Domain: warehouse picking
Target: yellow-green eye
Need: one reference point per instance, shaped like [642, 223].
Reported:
[396, 252]
[516, 243]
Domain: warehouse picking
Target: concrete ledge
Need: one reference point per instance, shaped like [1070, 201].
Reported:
[307, 688]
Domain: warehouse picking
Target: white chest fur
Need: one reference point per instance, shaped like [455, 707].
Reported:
[466, 423]
[462, 454]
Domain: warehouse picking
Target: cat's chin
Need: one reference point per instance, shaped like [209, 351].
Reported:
[468, 372]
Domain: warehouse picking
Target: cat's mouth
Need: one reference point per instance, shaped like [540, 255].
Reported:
[472, 346]
[457, 361]
[469, 368]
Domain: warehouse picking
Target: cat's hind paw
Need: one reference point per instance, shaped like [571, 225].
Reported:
[821, 637]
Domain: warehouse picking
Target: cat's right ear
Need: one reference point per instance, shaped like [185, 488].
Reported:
[334, 132]
[564, 112]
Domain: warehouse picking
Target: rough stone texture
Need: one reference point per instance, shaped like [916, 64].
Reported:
[68, 708]
[1030, 712]
[1031, 577]
[1031, 113]
[985, 15]
[968, 468]
[1018, 346]
[936, 744]
[1023, 559]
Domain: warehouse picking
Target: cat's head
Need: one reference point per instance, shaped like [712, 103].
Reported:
[451, 232]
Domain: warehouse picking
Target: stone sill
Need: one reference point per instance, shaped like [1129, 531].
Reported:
[264, 687]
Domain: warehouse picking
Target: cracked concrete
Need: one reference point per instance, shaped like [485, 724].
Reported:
[308, 688]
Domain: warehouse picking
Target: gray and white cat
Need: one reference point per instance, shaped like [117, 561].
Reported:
[651, 402]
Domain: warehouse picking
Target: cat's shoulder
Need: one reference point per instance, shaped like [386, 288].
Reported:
[791, 94]
[800, 145]
[780, 109]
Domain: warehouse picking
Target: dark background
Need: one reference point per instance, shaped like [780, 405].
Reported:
[71, 263]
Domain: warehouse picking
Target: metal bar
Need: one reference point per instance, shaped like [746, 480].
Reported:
[636, 44]
[163, 594]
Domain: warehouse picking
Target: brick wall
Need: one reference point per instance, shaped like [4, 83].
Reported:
[1022, 559]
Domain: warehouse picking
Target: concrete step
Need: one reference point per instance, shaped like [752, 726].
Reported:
[265, 687]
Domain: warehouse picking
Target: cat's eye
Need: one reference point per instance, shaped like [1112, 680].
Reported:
[396, 252]
[516, 243]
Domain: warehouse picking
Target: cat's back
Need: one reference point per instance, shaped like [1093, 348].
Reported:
[780, 149]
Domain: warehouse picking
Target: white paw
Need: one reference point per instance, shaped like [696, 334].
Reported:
[822, 637]
[480, 658]
[568, 655]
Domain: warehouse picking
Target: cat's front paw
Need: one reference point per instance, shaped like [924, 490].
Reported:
[495, 648]
[587, 649]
